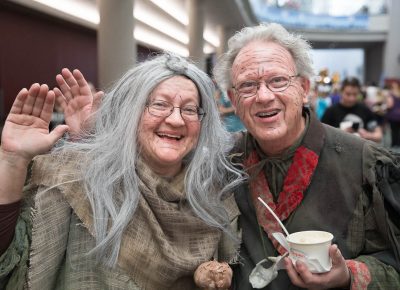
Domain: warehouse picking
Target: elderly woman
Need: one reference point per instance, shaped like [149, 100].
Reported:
[139, 203]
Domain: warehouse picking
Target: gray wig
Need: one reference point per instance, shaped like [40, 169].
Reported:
[113, 153]
[298, 47]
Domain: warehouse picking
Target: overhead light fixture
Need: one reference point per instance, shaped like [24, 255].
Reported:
[80, 9]
[88, 11]
[152, 19]
[159, 41]
[173, 9]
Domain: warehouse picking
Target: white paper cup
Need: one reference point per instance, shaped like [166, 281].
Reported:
[311, 247]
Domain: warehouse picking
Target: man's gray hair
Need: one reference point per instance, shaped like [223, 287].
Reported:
[298, 47]
[113, 150]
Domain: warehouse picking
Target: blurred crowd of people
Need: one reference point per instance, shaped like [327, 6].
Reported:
[368, 111]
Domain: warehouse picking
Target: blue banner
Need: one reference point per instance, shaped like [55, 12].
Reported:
[299, 19]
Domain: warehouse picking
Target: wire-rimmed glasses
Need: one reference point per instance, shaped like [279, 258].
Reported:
[248, 89]
[164, 109]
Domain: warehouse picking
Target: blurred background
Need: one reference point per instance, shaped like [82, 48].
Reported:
[104, 38]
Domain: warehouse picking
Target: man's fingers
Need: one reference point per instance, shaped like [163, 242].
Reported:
[336, 255]
[309, 279]
[292, 273]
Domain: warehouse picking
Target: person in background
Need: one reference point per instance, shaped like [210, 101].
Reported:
[139, 200]
[231, 121]
[393, 113]
[375, 100]
[323, 101]
[335, 94]
[351, 115]
[314, 177]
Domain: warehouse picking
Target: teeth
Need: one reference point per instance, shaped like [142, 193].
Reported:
[267, 114]
[169, 136]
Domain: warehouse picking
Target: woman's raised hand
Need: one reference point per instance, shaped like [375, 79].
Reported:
[26, 130]
[77, 100]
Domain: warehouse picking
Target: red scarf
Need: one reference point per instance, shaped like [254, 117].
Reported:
[296, 182]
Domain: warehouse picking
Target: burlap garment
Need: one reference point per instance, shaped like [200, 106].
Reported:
[164, 242]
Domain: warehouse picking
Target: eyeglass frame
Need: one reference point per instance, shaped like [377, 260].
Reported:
[266, 82]
[200, 111]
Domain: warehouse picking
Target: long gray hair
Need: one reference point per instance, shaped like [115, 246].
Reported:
[113, 152]
[298, 47]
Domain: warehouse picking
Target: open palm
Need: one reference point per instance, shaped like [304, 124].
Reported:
[76, 99]
[26, 130]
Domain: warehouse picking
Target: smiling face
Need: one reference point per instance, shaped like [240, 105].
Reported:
[273, 118]
[165, 141]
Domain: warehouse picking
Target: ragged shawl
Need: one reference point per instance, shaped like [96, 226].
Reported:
[161, 246]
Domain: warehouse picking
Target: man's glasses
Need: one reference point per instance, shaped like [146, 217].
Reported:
[164, 109]
[248, 89]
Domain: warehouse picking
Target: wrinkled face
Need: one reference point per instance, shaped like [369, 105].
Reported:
[349, 96]
[165, 141]
[273, 118]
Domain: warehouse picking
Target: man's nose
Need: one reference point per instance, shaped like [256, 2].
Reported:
[264, 94]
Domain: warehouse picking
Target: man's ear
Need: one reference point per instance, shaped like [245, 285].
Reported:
[232, 98]
[305, 84]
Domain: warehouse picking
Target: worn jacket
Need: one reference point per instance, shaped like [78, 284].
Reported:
[342, 198]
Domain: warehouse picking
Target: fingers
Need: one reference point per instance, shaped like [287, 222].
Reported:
[19, 102]
[80, 79]
[70, 81]
[40, 100]
[48, 106]
[60, 99]
[338, 276]
[306, 276]
[64, 87]
[72, 84]
[97, 98]
[292, 273]
[336, 255]
[30, 102]
[57, 133]
[339, 263]
[27, 106]
[84, 88]
[301, 276]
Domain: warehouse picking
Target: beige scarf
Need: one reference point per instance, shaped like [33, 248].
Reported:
[164, 242]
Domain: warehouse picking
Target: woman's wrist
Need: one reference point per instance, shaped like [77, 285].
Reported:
[13, 160]
[13, 171]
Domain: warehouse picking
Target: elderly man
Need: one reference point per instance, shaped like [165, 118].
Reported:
[313, 176]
